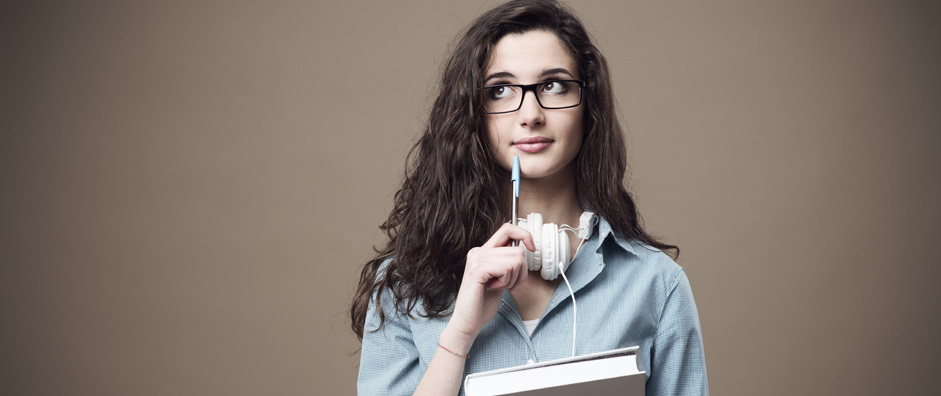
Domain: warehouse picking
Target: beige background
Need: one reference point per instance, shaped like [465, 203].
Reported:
[189, 188]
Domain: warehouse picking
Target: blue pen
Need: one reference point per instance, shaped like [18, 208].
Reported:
[516, 192]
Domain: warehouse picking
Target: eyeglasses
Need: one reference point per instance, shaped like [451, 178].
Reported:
[553, 94]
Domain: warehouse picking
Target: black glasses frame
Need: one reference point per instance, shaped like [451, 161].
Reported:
[532, 87]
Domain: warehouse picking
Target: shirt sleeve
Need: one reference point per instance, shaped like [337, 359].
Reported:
[678, 363]
[389, 363]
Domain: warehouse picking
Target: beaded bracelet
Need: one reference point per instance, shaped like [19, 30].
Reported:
[452, 352]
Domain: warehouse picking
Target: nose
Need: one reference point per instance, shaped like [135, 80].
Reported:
[531, 113]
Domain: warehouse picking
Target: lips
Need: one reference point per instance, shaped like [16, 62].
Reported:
[533, 144]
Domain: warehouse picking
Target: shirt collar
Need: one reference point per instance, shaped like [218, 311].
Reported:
[605, 232]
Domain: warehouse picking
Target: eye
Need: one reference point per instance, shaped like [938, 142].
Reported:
[499, 92]
[555, 87]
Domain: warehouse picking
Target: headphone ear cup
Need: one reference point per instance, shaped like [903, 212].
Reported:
[550, 255]
[533, 224]
[529, 255]
[564, 252]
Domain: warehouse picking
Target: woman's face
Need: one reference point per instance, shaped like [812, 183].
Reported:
[546, 141]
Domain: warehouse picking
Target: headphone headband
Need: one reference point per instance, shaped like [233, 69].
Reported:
[586, 224]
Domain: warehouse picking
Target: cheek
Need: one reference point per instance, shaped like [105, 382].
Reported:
[575, 126]
[499, 144]
[575, 137]
[573, 148]
[497, 140]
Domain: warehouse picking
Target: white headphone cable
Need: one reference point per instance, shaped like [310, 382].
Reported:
[579, 248]
[574, 307]
[566, 227]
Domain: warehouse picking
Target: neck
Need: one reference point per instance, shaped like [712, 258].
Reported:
[554, 197]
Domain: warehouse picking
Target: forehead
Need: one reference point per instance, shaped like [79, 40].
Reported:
[527, 55]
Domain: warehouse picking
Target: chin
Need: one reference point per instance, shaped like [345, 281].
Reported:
[539, 172]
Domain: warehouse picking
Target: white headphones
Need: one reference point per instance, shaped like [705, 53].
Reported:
[552, 245]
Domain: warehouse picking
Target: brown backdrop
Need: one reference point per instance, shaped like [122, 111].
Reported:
[188, 188]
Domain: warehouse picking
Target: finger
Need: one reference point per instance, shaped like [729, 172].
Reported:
[513, 262]
[495, 268]
[502, 269]
[509, 232]
[498, 283]
[499, 278]
[523, 274]
[514, 275]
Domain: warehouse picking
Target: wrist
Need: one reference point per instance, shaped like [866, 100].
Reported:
[456, 341]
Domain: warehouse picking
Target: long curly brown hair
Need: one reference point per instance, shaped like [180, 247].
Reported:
[455, 195]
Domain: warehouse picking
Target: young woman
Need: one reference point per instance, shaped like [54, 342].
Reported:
[450, 295]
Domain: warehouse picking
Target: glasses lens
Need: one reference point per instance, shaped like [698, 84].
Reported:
[498, 99]
[558, 94]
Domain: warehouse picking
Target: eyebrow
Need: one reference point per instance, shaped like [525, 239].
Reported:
[545, 73]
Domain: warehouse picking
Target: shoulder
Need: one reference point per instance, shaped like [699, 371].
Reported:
[392, 299]
[640, 271]
[383, 306]
[658, 263]
[642, 261]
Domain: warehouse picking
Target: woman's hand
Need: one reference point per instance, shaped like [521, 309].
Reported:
[490, 269]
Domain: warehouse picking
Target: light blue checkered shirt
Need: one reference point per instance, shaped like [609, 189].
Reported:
[627, 294]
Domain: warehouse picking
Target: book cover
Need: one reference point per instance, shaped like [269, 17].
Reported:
[612, 372]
